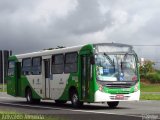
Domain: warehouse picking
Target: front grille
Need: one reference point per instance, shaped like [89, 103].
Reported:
[118, 85]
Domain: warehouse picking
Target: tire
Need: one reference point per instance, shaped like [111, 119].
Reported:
[29, 97]
[113, 104]
[75, 100]
[60, 101]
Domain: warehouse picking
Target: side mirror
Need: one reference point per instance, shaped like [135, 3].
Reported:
[92, 60]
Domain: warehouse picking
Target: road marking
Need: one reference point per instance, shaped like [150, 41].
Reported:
[56, 108]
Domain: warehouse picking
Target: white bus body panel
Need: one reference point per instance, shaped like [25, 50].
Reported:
[58, 84]
[36, 82]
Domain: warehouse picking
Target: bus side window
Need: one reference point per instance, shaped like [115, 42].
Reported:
[11, 66]
[71, 62]
[36, 65]
[58, 64]
[26, 66]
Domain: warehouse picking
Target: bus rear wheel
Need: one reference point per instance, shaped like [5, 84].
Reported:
[113, 104]
[75, 100]
[29, 97]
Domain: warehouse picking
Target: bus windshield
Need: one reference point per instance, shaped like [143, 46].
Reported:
[116, 67]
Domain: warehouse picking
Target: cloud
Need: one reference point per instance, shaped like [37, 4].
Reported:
[33, 25]
[25, 24]
[86, 19]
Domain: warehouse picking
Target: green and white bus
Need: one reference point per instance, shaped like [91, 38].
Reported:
[92, 73]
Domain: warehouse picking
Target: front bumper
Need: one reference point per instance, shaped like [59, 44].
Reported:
[105, 97]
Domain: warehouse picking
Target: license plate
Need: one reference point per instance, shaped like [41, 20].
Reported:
[119, 97]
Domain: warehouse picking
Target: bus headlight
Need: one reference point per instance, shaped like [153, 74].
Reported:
[100, 88]
[136, 87]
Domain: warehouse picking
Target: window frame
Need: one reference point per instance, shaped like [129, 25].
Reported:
[53, 63]
[9, 68]
[71, 62]
[40, 72]
[23, 59]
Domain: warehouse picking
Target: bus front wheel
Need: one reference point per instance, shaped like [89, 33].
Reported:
[113, 104]
[75, 100]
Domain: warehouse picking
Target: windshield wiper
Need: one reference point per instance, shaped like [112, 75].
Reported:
[109, 59]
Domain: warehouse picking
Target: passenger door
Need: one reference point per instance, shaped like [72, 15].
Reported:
[85, 76]
[47, 77]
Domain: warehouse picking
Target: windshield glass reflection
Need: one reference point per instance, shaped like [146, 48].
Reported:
[117, 67]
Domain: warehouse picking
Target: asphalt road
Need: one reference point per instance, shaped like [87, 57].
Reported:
[142, 110]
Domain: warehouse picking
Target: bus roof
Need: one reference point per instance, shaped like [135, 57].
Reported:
[49, 52]
[115, 44]
[67, 49]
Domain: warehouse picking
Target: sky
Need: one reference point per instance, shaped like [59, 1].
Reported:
[33, 25]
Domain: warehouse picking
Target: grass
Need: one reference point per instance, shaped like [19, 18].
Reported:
[150, 97]
[20, 116]
[1, 88]
[146, 87]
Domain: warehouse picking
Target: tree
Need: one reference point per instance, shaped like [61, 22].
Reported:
[147, 67]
